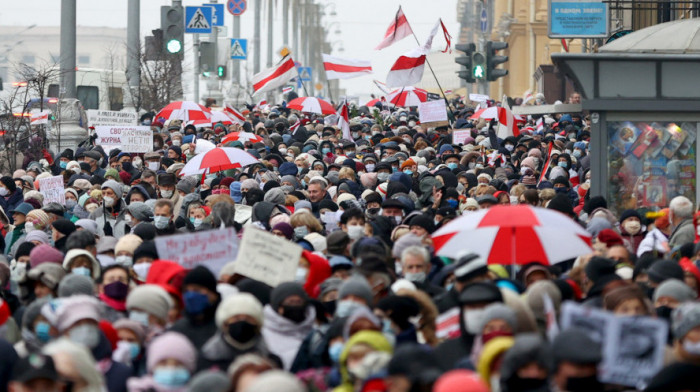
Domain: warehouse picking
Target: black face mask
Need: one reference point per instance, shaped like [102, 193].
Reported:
[583, 384]
[664, 312]
[296, 313]
[373, 211]
[242, 331]
[517, 384]
[329, 306]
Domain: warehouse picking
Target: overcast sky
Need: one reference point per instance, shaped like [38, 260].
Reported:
[362, 24]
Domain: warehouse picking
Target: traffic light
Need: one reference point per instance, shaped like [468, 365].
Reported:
[221, 72]
[207, 60]
[172, 22]
[493, 60]
[466, 61]
[478, 66]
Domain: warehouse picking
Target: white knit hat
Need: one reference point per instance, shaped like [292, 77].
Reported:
[241, 303]
[151, 299]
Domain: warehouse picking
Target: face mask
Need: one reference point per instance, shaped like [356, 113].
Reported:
[116, 290]
[583, 384]
[161, 222]
[417, 277]
[242, 331]
[76, 170]
[195, 222]
[329, 306]
[382, 177]
[141, 270]
[325, 150]
[562, 190]
[134, 350]
[139, 317]
[510, 147]
[408, 172]
[176, 142]
[453, 203]
[42, 331]
[691, 347]
[562, 164]
[301, 274]
[472, 320]
[452, 165]
[334, 351]
[195, 302]
[109, 201]
[153, 165]
[84, 271]
[373, 211]
[124, 260]
[62, 164]
[282, 150]
[577, 154]
[664, 312]
[471, 165]
[394, 169]
[370, 167]
[171, 376]
[296, 313]
[300, 232]
[632, 227]
[166, 194]
[29, 226]
[127, 219]
[70, 204]
[346, 307]
[87, 335]
[398, 219]
[4, 191]
[355, 232]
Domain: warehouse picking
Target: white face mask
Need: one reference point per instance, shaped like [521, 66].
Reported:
[4, 191]
[109, 201]
[301, 275]
[161, 222]
[691, 347]
[166, 194]
[370, 167]
[355, 232]
[472, 320]
[141, 270]
[632, 227]
[176, 142]
[127, 219]
[124, 260]
[153, 165]
[29, 226]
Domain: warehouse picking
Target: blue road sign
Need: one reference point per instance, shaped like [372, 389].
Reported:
[305, 74]
[578, 19]
[484, 21]
[218, 19]
[198, 20]
[239, 48]
[236, 7]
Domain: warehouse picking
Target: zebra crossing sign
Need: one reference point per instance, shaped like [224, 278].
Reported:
[198, 20]
[239, 48]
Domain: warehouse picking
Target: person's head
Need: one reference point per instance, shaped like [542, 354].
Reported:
[670, 294]
[149, 305]
[240, 319]
[352, 221]
[35, 373]
[576, 359]
[163, 213]
[685, 325]
[415, 263]
[354, 293]
[680, 209]
[114, 282]
[619, 253]
[473, 299]
[317, 190]
[529, 361]
[82, 262]
[625, 300]
[171, 360]
[530, 196]
[290, 301]
[199, 292]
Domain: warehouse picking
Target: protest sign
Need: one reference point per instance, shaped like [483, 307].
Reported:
[460, 135]
[633, 347]
[266, 257]
[109, 117]
[478, 97]
[212, 248]
[127, 139]
[447, 324]
[433, 113]
[52, 190]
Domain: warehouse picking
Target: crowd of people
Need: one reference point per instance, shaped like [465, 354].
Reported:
[88, 305]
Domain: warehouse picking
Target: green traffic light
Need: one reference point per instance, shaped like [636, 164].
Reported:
[174, 46]
[205, 74]
[478, 72]
[220, 71]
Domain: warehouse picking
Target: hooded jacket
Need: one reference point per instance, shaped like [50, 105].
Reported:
[374, 339]
[285, 336]
[319, 271]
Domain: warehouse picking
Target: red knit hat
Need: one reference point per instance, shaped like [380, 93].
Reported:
[4, 311]
[610, 237]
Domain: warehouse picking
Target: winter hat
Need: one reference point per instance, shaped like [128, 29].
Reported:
[469, 266]
[44, 253]
[404, 242]
[76, 308]
[288, 169]
[630, 214]
[172, 345]
[128, 243]
[499, 311]
[115, 186]
[87, 224]
[275, 196]
[187, 184]
[301, 204]
[609, 237]
[140, 211]
[73, 284]
[146, 249]
[285, 228]
[575, 345]
[598, 268]
[49, 274]
[63, 226]
[209, 381]
[662, 270]
[39, 218]
[201, 276]
[561, 203]
[241, 303]
[684, 318]
[358, 286]
[337, 242]
[37, 235]
[33, 311]
[286, 290]
[317, 241]
[399, 309]
[133, 326]
[73, 253]
[596, 225]
[275, 381]
[675, 289]
[422, 221]
[328, 285]
[111, 172]
[480, 292]
[151, 299]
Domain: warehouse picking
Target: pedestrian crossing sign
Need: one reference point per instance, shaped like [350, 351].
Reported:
[198, 20]
[305, 74]
[239, 48]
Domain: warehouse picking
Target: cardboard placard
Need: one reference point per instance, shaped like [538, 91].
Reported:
[52, 190]
[127, 139]
[110, 117]
[266, 257]
[433, 113]
[478, 97]
[212, 248]
[460, 135]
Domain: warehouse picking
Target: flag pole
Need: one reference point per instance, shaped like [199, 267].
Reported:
[435, 77]
[301, 81]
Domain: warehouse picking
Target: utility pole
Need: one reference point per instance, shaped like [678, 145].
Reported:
[213, 80]
[69, 133]
[270, 16]
[285, 22]
[195, 53]
[133, 53]
[236, 64]
[295, 29]
[256, 37]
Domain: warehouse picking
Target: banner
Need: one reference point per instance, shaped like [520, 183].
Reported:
[127, 139]
[266, 257]
[212, 249]
[460, 135]
[52, 190]
[433, 113]
[109, 117]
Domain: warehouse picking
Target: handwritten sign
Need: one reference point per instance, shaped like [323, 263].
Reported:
[52, 189]
[460, 135]
[478, 97]
[109, 117]
[127, 139]
[212, 248]
[266, 257]
[433, 113]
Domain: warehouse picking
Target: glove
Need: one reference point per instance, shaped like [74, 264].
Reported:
[108, 229]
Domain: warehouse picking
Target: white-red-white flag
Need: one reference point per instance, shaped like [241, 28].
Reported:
[39, 118]
[234, 114]
[407, 70]
[344, 121]
[507, 125]
[340, 68]
[295, 126]
[546, 163]
[448, 38]
[287, 89]
[275, 77]
[381, 86]
[540, 124]
[398, 30]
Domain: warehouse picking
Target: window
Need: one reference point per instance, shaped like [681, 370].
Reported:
[89, 97]
[116, 98]
[84, 59]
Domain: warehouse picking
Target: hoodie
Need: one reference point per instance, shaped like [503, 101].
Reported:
[374, 339]
[319, 271]
[283, 336]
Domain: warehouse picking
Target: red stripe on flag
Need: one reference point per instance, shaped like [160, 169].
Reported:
[546, 163]
[281, 70]
[408, 62]
[346, 68]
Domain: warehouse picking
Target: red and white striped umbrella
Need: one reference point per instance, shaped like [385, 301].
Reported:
[374, 102]
[311, 105]
[241, 137]
[514, 235]
[185, 111]
[408, 96]
[492, 112]
[216, 160]
[216, 117]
